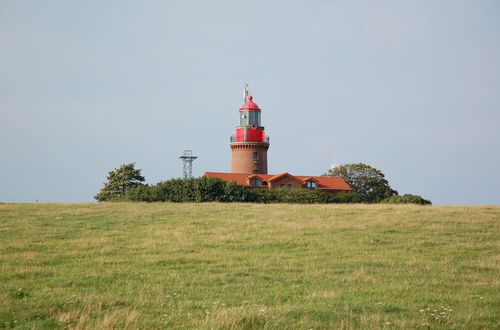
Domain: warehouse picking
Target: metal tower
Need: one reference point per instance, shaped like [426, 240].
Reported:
[187, 159]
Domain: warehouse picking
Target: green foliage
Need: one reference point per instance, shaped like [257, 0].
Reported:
[186, 190]
[141, 193]
[406, 199]
[209, 189]
[175, 190]
[300, 196]
[234, 192]
[348, 197]
[263, 195]
[365, 180]
[217, 190]
[120, 181]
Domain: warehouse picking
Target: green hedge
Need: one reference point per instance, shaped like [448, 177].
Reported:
[216, 190]
[406, 199]
[348, 197]
[302, 196]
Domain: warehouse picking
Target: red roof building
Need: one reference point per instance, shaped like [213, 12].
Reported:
[328, 184]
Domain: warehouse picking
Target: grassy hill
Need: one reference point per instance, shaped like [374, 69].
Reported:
[248, 266]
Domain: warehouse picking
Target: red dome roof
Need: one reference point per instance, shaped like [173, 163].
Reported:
[250, 105]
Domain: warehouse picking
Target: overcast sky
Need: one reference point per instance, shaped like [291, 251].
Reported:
[409, 87]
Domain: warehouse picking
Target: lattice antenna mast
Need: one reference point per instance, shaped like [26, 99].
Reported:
[187, 167]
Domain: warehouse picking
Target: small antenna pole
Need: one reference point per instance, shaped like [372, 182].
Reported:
[334, 165]
[246, 92]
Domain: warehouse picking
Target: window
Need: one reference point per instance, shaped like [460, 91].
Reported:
[311, 184]
[282, 185]
[255, 182]
[253, 118]
[255, 171]
[290, 186]
[249, 118]
[255, 156]
[243, 118]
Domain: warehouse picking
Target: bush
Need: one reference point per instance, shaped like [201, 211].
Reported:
[180, 190]
[209, 189]
[263, 195]
[216, 190]
[348, 197]
[142, 193]
[406, 199]
[236, 193]
[301, 196]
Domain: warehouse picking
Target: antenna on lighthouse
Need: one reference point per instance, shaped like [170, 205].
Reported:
[187, 159]
[246, 92]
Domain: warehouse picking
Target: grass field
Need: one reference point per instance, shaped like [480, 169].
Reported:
[126, 265]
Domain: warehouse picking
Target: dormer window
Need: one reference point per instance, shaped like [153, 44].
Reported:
[311, 184]
[255, 182]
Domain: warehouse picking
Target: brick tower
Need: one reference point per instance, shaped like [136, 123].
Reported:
[249, 145]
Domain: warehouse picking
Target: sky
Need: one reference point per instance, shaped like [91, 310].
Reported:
[411, 88]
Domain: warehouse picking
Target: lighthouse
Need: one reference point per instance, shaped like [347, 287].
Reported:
[249, 159]
[250, 144]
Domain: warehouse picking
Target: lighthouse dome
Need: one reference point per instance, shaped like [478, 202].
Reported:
[250, 105]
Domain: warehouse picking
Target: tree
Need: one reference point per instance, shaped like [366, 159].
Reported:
[119, 182]
[365, 180]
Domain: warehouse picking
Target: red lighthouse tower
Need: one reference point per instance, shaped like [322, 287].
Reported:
[250, 144]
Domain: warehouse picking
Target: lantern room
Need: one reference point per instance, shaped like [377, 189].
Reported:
[250, 129]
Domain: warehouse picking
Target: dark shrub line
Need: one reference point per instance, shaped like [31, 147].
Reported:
[216, 190]
[406, 199]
